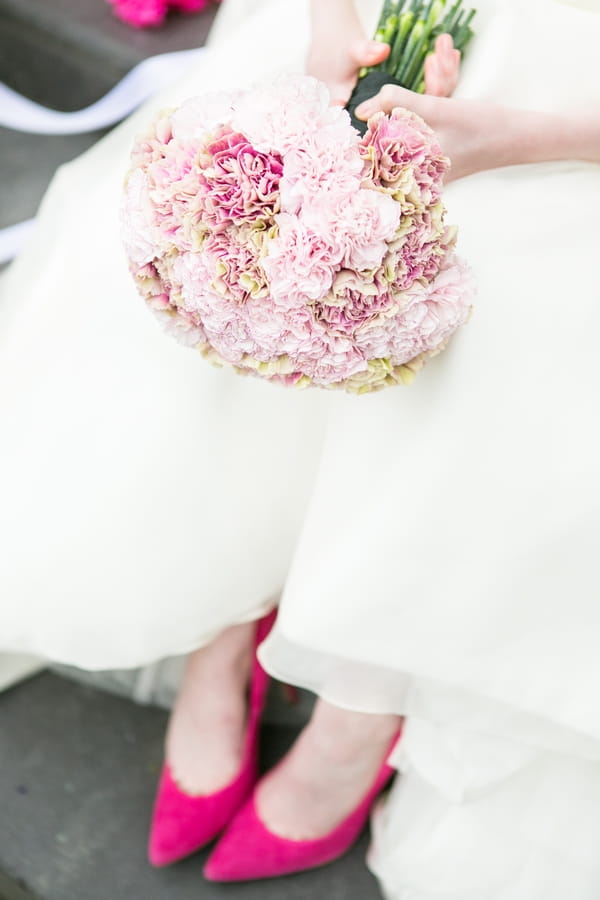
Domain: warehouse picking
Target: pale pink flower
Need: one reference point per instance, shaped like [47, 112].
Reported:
[299, 263]
[358, 226]
[199, 117]
[139, 221]
[280, 115]
[320, 168]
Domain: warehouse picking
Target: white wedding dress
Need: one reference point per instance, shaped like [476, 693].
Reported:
[435, 545]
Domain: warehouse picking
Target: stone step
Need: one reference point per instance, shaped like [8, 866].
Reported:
[77, 776]
[66, 54]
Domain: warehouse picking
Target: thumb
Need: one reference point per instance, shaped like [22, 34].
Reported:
[369, 53]
[389, 97]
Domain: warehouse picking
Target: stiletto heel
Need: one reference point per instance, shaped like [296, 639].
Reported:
[183, 823]
[248, 850]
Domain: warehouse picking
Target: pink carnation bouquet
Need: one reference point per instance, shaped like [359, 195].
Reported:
[266, 232]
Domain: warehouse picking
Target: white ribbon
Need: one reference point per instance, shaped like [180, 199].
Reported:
[141, 82]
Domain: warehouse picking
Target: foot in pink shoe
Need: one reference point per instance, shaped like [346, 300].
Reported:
[182, 823]
[248, 850]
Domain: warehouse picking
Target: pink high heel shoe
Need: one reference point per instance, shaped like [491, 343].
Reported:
[248, 850]
[182, 823]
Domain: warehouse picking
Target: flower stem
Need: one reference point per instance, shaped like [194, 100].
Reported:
[411, 27]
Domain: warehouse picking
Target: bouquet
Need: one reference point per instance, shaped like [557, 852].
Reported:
[150, 13]
[268, 234]
[410, 27]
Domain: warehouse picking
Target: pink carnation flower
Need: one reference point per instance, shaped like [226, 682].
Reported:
[320, 167]
[281, 115]
[300, 264]
[239, 183]
[430, 314]
[139, 221]
[199, 117]
[403, 141]
[359, 226]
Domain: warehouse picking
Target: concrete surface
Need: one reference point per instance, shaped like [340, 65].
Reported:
[77, 777]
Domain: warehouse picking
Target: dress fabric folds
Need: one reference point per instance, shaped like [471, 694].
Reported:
[434, 546]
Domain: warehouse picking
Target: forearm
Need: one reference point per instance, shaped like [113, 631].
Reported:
[326, 17]
[512, 137]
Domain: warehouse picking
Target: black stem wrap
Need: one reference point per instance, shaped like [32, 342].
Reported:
[366, 88]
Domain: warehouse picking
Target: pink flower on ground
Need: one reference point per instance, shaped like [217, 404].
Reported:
[140, 13]
[150, 13]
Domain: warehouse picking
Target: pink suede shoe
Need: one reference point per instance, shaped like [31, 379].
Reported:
[182, 823]
[248, 850]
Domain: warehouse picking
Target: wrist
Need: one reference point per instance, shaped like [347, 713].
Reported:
[515, 137]
[329, 16]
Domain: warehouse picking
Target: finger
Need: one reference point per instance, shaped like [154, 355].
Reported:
[389, 97]
[449, 71]
[449, 63]
[442, 68]
[444, 52]
[369, 53]
[444, 44]
[435, 82]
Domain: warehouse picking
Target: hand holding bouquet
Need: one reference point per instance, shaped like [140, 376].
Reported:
[426, 39]
[269, 235]
[339, 49]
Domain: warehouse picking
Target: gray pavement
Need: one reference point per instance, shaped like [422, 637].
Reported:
[66, 54]
[77, 776]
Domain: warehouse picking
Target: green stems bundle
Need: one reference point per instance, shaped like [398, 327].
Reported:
[410, 27]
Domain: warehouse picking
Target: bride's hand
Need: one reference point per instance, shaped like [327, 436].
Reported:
[478, 135]
[460, 124]
[339, 47]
